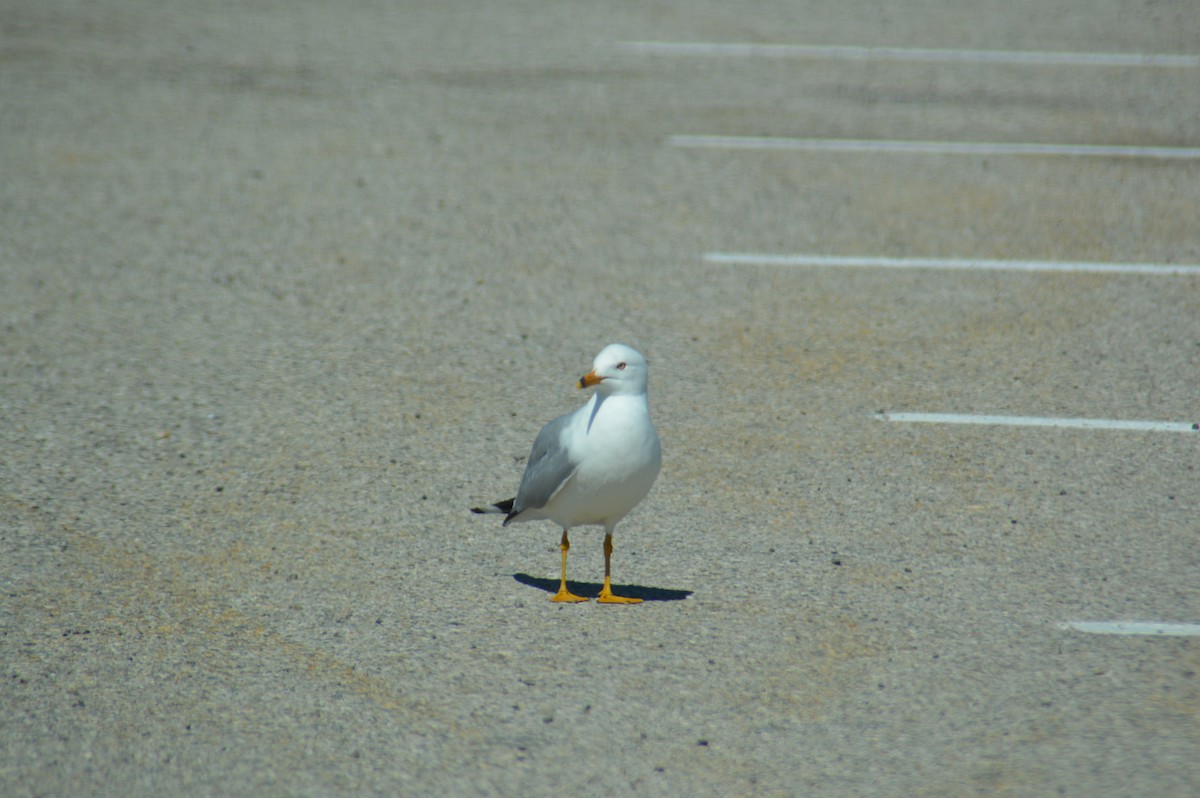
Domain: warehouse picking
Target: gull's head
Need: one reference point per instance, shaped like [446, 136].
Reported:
[617, 369]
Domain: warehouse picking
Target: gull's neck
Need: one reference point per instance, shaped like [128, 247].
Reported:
[600, 403]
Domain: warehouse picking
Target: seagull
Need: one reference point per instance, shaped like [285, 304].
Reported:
[592, 466]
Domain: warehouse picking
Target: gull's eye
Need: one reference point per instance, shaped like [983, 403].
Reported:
[621, 366]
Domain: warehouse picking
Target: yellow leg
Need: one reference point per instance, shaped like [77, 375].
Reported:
[563, 594]
[606, 594]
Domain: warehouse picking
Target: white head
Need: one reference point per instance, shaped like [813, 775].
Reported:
[618, 369]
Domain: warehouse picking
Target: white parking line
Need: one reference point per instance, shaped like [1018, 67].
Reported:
[1134, 628]
[930, 147]
[849, 53]
[1041, 421]
[983, 264]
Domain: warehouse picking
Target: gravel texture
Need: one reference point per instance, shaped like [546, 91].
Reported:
[286, 287]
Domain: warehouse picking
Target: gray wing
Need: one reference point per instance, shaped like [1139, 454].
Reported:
[548, 469]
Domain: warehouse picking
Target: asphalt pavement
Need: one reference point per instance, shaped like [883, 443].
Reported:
[287, 287]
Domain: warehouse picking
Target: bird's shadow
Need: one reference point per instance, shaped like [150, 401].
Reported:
[592, 589]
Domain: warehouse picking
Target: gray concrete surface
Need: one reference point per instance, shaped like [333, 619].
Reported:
[285, 287]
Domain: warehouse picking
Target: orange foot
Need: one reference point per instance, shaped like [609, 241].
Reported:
[565, 595]
[607, 597]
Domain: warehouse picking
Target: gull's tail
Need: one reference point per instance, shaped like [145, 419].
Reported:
[504, 507]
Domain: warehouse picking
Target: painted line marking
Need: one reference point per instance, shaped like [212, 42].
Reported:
[1038, 421]
[1134, 628]
[920, 54]
[757, 259]
[930, 147]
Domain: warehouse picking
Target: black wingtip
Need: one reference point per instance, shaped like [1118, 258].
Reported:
[499, 507]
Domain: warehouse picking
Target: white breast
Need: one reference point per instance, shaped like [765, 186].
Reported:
[619, 456]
